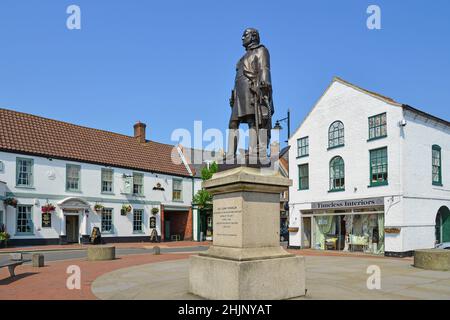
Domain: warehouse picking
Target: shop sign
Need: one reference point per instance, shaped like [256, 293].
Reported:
[355, 203]
[392, 230]
[152, 222]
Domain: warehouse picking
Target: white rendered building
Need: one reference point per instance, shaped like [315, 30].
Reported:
[73, 170]
[369, 174]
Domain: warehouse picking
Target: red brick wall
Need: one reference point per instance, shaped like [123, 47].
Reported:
[180, 223]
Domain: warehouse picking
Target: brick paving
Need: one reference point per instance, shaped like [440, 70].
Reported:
[50, 282]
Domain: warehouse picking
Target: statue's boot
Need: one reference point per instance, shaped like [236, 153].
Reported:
[233, 138]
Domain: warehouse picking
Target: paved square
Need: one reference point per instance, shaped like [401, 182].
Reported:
[327, 278]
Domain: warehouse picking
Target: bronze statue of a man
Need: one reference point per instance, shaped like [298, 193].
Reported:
[251, 99]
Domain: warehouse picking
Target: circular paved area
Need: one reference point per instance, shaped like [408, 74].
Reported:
[327, 278]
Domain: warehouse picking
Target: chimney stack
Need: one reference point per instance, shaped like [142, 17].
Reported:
[139, 131]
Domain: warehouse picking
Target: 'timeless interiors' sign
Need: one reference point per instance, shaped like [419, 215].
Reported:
[358, 203]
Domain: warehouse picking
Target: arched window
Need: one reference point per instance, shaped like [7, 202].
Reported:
[337, 174]
[336, 134]
[436, 165]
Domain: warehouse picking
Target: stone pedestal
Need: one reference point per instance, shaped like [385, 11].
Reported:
[432, 259]
[246, 260]
[100, 253]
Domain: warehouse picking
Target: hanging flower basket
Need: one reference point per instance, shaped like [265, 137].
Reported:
[11, 202]
[48, 208]
[155, 210]
[126, 208]
[98, 208]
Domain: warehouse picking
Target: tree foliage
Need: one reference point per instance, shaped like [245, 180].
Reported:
[203, 198]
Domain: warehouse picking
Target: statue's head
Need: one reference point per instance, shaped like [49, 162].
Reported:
[250, 37]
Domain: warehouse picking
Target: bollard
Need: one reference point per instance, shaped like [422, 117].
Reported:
[38, 260]
[156, 250]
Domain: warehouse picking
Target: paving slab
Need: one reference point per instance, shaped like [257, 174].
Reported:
[328, 277]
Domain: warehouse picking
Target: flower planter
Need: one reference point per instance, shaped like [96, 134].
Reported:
[123, 212]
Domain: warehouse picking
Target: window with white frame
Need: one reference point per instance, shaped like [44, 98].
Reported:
[177, 190]
[137, 220]
[24, 220]
[107, 180]
[24, 177]
[107, 220]
[73, 177]
[138, 183]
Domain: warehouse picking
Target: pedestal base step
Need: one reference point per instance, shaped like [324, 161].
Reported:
[265, 279]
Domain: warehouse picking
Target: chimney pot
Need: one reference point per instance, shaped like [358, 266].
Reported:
[139, 132]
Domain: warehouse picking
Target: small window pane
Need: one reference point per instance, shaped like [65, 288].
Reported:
[107, 180]
[436, 168]
[377, 126]
[378, 166]
[137, 220]
[138, 183]
[107, 225]
[336, 134]
[24, 222]
[177, 190]
[303, 177]
[337, 174]
[73, 177]
[303, 147]
[24, 172]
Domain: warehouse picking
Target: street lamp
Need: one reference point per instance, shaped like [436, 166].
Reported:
[288, 120]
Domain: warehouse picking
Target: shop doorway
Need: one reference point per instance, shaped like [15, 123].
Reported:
[443, 225]
[306, 232]
[176, 226]
[72, 229]
[205, 230]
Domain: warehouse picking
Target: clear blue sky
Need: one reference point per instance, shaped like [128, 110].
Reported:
[168, 63]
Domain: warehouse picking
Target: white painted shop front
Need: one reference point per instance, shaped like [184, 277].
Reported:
[369, 174]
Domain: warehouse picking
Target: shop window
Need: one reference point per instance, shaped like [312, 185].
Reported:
[303, 177]
[349, 232]
[24, 220]
[137, 220]
[336, 135]
[303, 147]
[377, 126]
[73, 177]
[378, 167]
[24, 172]
[436, 165]
[107, 222]
[337, 174]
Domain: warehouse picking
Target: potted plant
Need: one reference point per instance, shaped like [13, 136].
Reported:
[11, 202]
[98, 208]
[155, 210]
[126, 208]
[4, 237]
[48, 208]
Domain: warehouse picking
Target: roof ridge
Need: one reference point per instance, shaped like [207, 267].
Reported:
[80, 126]
[373, 93]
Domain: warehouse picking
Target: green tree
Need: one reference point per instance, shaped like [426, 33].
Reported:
[203, 198]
